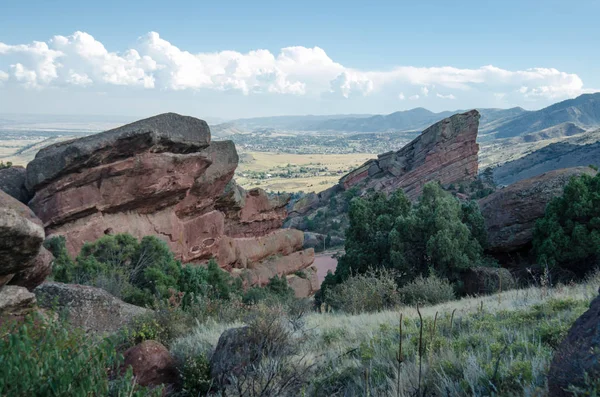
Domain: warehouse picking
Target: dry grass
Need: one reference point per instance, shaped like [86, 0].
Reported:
[492, 345]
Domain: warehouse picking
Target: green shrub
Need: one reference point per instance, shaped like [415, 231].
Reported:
[368, 292]
[569, 234]
[195, 375]
[49, 359]
[427, 291]
[437, 233]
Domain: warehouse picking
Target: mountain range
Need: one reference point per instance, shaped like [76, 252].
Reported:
[578, 114]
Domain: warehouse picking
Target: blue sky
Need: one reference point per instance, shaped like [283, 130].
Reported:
[318, 57]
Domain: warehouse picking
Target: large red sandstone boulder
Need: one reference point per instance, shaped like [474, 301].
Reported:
[21, 236]
[510, 213]
[161, 176]
[152, 364]
[578, 355]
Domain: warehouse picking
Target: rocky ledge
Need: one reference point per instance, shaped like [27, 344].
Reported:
[163, 176]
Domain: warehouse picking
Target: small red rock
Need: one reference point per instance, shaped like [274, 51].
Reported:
[152, 364]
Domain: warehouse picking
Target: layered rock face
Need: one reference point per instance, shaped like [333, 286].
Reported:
[162, 176]
[510, 213]
[445, 152]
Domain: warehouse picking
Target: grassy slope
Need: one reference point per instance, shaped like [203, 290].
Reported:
[495, 345]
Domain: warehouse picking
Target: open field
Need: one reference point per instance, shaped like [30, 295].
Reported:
[295, 172]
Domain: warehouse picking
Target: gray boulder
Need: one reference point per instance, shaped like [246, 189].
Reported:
[92, 309]
[21, 235]
[36, 272]
[577, 355]
[12, 182]
[166, 132]
[15, 301]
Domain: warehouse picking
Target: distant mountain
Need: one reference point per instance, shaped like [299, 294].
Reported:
[407, 120]
[561, 119]
[413, 119]
[583, 112]
[551, 157]
[299, 123]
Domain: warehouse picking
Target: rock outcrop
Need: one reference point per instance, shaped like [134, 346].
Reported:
[12, 182]
[577, 355]
[162, 176]
[510, 213]
[152, 364]
[445, 152]
[21, 237]
[89, 308]
[36, 273]
[15, 301]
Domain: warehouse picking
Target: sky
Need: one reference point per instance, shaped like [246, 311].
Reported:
[232, 59]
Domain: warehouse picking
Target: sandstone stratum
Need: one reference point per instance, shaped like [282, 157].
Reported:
[163, 176]
[445, 152]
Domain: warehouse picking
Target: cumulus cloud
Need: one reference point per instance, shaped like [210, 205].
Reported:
[401, 96]
[155, 63]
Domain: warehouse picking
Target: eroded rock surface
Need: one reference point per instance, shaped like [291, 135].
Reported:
[162, 176]
[577, 355]
[92, 309]
[12, 182]
[510, 213]
[21, 236]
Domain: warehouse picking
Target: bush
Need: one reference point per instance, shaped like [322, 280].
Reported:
[368, 292]
[387, 232]
[7, 165]
[427, 291]
[195, 374]
[569, 234]
[50, 359]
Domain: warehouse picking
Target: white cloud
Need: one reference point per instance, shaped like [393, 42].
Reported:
[401, 96]
[3, 76]
[414, 97]
[82, 60]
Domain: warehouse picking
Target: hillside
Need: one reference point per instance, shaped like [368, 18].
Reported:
[583, 111]
[552, 157]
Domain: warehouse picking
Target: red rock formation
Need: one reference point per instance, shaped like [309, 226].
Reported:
[510, 213]
[162, 176]
[445, 152]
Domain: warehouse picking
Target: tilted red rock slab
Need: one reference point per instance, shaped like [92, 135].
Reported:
[177, 186]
